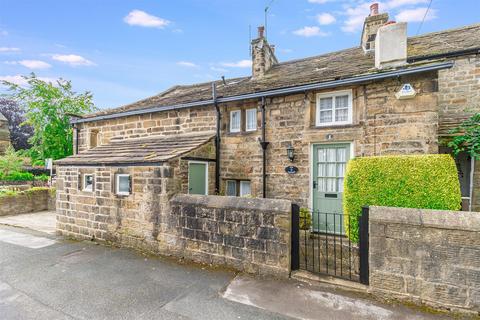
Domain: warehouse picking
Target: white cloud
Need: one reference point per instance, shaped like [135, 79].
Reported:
[310, 32]
[318, 1]
[416, 15]
[355, 17]
[72, 59]
[31, 64]
[356, 12]
[9, 49]
[238, 64]
[325, 18]
[20, 80]
[187, 64]
[143, 19]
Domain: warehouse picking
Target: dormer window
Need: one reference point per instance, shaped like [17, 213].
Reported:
[334, 108]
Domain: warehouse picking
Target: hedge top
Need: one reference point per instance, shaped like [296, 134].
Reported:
[408, 181]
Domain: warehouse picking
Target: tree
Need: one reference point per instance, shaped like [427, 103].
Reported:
[467, 138]
[10, 162]
[19, 134]
[48, 108]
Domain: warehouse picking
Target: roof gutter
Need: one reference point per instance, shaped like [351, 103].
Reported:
[276, 92]
[451, 54]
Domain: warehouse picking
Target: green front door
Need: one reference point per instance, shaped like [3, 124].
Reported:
[329, 163]
[197, 178]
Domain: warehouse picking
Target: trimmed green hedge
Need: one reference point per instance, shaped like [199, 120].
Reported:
[416, 181]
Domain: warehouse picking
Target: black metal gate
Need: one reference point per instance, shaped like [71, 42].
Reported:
[321, 244]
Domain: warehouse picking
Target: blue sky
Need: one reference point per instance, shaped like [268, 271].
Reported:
[123, 51]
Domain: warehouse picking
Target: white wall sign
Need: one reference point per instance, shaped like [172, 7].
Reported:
[406, 92]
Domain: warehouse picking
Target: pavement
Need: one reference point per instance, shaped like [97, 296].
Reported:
[43, 277]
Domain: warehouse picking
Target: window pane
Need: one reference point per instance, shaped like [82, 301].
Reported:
[321, 184]
[331, 185]
[326, 103]
[331, 155]
[340, 185]
[123, 184]
[322, 170]
[341, 108]
[341, 102]
[322, 155]
[235, 121]
[340, 170]
[88, 182]
[245, 188]
[252, 119]
[341, 154]
[331, 170]
[341, 114]
[231, 188]
[325, 116]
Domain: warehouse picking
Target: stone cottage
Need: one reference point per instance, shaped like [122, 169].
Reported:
[285, 132]
[4, 134]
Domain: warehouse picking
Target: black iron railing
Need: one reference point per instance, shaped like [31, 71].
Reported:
[323, 243]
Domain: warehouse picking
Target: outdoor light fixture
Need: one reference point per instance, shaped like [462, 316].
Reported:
[290, 152]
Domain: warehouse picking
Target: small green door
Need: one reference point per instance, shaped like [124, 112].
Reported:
[197, 178]
[329, 163]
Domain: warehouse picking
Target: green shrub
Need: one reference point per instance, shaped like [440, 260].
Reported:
[42, 177]
[10, 162]
[417, 181]
[305, 219]
[17, 176]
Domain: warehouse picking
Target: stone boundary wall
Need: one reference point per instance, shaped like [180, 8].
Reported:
[250, 235]
[426, 256]
[26, 202]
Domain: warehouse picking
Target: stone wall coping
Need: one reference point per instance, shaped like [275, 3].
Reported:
[270, 205]
[441, 219]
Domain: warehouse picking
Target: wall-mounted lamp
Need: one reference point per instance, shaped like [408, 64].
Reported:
[291, 153]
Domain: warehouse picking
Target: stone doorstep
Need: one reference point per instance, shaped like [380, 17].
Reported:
[308, 277]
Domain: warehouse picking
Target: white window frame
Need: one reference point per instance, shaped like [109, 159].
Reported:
[117, 184]
[241, 188]
[226, 187]
[84, 187]
[239, 122]
[254, 111]
[332, 95]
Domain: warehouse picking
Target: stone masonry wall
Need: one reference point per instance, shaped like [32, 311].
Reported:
[159, 123]
[251, 235]
[426, 256]
[459, 96]
[381, 125]
[26, 202]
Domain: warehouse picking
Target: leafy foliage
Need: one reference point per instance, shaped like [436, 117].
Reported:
[10, 162]
[48, 109]
[19, 133]
[416, 181]
[468, 138]
[305, 219]
[17, 176]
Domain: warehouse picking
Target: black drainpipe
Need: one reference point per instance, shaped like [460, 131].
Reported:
[217, 140]
[264, 145]
[75, 129]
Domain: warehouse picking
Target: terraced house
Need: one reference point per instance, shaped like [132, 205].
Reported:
[285, 132]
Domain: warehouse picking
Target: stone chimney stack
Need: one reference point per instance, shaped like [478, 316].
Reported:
[391, 45]
[263, 55]
[374, 21]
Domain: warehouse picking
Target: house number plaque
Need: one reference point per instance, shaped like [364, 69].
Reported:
[291, 170]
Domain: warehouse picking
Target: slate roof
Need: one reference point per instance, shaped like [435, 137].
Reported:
[327, 67]
[152, 149]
